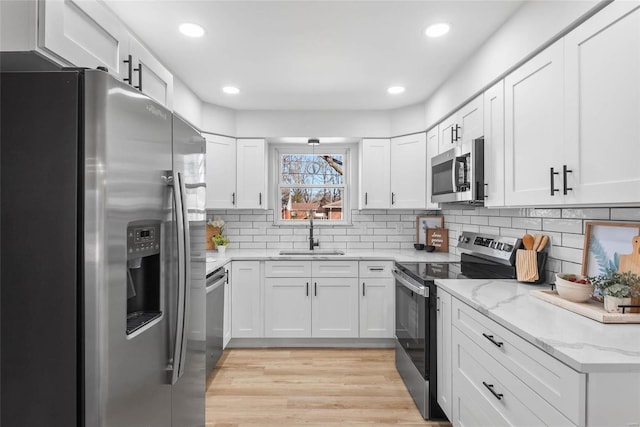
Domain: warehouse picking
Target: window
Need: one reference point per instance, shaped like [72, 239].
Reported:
[312, 183]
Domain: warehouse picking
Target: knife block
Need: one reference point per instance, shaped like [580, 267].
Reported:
[530, 266]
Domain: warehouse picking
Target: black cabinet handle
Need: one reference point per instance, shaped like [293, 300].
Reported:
[260, 199]
[486, 190]
[366, 198]
[139, 70]
[438, 304]
[565, 171]
[376, 268]
[453, 132]
[393, 198]
[226, 272]
[315, 289]
[307, 288]
[457, 128]
[129, 62]
[489, 387]
[552, 177]
[490, 338]
[233, 198]
[363, 286]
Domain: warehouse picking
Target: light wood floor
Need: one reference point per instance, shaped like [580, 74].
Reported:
[310, 387]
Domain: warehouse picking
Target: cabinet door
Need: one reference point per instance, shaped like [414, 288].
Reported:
[409, 171]
[334, 308]
[375, 174]
[226, 337]
[84, 34]
[444, 349]
[471, 120]
[433, 147]
[246, 300]
[447, 131]
[494, 145]
[221, 172]
[149, 75]
[377, 308]
[251, 174]
[602, 89]
[287, 304]
[534, 129]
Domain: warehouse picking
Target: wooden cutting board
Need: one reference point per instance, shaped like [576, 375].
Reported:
[631, 262]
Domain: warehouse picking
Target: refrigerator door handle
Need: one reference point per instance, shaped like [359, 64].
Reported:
[178, 341]
[186, 268]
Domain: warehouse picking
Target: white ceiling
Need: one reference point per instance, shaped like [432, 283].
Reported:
[313, 55]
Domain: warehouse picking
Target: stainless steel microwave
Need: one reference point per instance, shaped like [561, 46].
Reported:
[457, 175]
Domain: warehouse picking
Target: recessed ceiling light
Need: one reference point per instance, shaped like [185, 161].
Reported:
[191, 30]
[231, 90]
[437, 30]
[394, 90]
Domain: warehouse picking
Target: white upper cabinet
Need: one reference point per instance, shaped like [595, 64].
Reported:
[409, 171]
[432, 150]
[251, 174]
[221, 172]
[602, 107]
[464, 125]
[149, 75]
[375, 173]
[534, 129]
[494, 145]
[83, 33]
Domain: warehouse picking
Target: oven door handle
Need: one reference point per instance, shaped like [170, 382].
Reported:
[420, 290]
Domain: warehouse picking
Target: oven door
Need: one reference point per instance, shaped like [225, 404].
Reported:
[412, 322]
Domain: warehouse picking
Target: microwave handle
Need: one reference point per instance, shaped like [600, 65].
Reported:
[454, 186]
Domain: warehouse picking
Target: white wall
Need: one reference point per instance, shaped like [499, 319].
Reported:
[278, 123]
[534, 24]
[407, 120]
[186, 103]
[220, 120]
[17, 25]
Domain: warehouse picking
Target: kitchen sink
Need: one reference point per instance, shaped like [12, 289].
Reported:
[311, 252]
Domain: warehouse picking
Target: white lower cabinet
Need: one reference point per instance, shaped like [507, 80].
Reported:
[443, 351]
[226, 335]
[311, 299]
[246, 300]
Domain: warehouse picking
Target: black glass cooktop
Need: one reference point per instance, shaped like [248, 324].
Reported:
[429, 271]
[470, 267]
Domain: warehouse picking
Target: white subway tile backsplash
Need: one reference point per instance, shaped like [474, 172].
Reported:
[528, 223]
[625, 214]
[500, 221]
[566, 254]
[573, 240]
[562, 225]
[600, 213]
[545, 213]
[479, 220]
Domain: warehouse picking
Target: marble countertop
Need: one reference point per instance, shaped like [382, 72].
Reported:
[215, 260]
[584, 344]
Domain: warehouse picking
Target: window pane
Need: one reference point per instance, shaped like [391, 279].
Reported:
[322, 203]
[326, 169]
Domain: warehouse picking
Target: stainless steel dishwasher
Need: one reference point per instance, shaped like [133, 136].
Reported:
[215, 316]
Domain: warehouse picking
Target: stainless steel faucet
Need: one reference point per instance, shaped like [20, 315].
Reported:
[312, 243]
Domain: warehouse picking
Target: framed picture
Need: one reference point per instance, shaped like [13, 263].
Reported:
[604, 242]
[425, 222]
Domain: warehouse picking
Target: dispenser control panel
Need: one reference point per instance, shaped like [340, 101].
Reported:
[143, 239]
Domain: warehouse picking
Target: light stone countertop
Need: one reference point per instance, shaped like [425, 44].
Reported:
[584, 344]
[215, 260]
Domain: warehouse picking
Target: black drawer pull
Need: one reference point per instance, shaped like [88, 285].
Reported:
[498, 396]
[490, 338]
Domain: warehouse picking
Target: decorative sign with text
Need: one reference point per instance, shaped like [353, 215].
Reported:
[438, 237]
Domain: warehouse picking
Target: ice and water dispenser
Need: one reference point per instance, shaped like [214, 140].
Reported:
[143, 274]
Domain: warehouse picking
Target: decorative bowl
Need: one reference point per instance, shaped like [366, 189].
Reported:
[569, 287]
[418, 246]
[430, 248]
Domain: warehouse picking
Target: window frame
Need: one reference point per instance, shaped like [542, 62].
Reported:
[296, 149]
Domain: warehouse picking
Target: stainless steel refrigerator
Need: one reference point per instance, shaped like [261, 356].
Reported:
[102, 255]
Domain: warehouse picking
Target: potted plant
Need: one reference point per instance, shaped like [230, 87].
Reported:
[214, 226]
[617, 289]
[221, 242]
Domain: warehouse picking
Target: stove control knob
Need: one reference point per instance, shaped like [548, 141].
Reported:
[507, 247]
[500, 246]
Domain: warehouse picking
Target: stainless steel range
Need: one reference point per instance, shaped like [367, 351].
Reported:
[485, 257]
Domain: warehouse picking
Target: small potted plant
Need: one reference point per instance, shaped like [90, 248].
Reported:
[214, 226]
[221, 243]
[617, 289]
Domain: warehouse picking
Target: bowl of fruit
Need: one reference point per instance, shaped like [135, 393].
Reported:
[574, 287]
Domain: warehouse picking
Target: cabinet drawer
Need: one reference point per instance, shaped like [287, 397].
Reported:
[480, 377]
[375, 269]
[334, 269]
[558, 384]
[287, 268]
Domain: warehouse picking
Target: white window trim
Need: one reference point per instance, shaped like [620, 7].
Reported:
[345, 150]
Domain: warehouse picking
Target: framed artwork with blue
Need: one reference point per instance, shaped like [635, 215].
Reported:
[604, 242]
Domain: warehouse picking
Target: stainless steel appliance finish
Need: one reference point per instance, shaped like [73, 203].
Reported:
[109, 175]
[457, 175]
[416, 295]
[215, 316]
